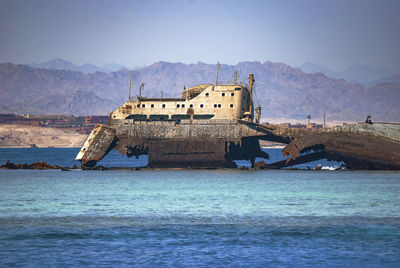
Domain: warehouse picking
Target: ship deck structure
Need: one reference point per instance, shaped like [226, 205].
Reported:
[211, 125]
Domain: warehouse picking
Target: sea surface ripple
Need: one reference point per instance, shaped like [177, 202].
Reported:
[202, 218]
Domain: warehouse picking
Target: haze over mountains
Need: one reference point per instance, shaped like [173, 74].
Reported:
[281, 90]
[390, 79]
[362, 74]
[60, 64]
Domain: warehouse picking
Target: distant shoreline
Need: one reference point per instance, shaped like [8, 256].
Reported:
[22, 136]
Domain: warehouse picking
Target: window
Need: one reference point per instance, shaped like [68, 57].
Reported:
[237, 88]
[152, 106]
[180, 116]
[219, 105]
[232, 94]
[163, 106]
[178, 106]
[215, 106]
[157, 117]
[223, 94]
[183, 105]
[201, 105]
[137, 117]
[191, 105]
[231, 105]
[138, 105]
[143, 105]
[203, 116]
[207, 94]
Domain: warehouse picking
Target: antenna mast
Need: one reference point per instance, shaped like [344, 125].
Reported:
[251, 84]
[216, 80]
[258, 114]
[140, 90]
[235, 77]
[130, 87]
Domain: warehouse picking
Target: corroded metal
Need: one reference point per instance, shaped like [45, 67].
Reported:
[360, 146]
[211, 126]
[188, 143]
[99, 142]
[201, 129]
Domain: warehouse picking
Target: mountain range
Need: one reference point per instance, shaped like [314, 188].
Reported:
[395, 79]
[281, 90]
[363, 74]
[60, 64]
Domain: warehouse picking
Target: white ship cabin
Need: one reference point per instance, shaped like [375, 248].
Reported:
[200, 102]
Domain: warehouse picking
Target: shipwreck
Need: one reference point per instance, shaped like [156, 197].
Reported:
[211, 125]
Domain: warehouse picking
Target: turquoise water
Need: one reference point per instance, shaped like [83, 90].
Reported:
[66, 157]
[202, 218]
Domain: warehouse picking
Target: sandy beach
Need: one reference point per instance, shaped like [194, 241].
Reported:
[17, 136]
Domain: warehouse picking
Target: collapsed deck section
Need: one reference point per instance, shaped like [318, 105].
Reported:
[360, 146]
[100, 141]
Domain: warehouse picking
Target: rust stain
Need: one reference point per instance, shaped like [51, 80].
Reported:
[97, 145]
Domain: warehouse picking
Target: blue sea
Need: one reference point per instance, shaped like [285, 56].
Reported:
[194, 218]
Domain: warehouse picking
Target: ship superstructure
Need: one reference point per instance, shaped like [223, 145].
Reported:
[211, 125]
[202, 128]
[197, 103]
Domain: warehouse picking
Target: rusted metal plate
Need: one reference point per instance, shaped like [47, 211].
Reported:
[209, 142]
[360, 146]
[97, 145]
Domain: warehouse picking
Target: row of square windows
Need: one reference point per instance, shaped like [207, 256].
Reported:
[183, 106]
[222, 94]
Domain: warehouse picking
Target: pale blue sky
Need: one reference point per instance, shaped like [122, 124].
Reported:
[335, 34]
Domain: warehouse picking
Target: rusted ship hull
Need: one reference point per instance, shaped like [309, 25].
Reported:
[186, 143]
[216, 143]
[360, 146]
[211, 125]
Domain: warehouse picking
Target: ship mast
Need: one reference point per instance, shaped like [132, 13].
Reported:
[130, 86]
[258, 114]
[216, 80]
[251, 83]
[235, 78]
[140, 90]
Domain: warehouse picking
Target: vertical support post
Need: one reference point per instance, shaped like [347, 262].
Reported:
[251, 83]
[130, 87]
[235, 81]
[258, 114]
[140, 91]
[216, 80]
[186, 92]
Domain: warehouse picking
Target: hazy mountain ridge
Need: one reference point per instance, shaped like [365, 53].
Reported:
[395, 79]
[366, 75]
[60, 64]
[282, 91]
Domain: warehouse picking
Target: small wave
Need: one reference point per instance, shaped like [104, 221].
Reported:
[87, 222]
